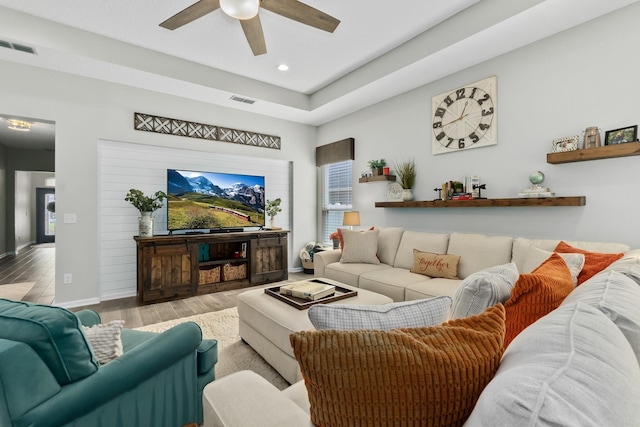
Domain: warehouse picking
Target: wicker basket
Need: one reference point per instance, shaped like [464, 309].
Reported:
[234, 272]
[211, 275]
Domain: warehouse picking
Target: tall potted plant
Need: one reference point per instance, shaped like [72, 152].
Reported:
[146, 205]
[406, 171]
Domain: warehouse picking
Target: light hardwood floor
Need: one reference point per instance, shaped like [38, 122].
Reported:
[37, 264]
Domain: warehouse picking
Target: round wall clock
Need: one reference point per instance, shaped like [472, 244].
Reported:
[465, 117]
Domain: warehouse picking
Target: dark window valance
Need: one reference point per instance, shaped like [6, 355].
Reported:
[335, 152]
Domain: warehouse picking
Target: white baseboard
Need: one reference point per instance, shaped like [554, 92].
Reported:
[118, 295]
[77, 303]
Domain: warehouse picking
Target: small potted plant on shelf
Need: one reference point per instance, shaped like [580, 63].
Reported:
[273, 208]
[406, 171]
[377, 166]
[146, 205]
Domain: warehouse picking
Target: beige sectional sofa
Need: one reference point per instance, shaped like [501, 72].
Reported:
[395, 251]
[576, 366]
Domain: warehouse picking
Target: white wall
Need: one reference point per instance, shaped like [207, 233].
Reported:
[86, 111]
[3, 201]
[586, 76]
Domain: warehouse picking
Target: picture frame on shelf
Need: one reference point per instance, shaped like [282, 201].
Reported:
[621, 135]
[568, 143]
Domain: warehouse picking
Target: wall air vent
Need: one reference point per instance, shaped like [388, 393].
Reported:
[17, 46]
[245, 100]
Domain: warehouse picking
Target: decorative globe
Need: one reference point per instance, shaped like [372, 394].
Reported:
[536, 178]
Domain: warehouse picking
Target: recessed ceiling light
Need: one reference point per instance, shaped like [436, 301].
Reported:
[19, 125]
[283, 67]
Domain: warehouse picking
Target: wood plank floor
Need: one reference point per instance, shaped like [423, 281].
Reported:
[37, 264]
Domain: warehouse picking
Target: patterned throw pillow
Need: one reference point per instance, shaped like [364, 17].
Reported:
[435, 265]
[105, 340]
[483, 289]
[594, 262]
[536, 295]
[407, 314]
[423, 376]
[360, 246]
[536, 256]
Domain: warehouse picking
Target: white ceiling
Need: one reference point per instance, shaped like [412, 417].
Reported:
[379, 50]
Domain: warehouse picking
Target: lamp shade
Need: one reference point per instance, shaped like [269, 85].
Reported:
[351, 218]
[240, 9]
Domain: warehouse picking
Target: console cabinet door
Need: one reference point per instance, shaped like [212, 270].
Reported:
[269, 259]
[167, 271]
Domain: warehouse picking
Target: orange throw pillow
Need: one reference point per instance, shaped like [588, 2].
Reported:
[427, 376]
[537, 294]
[594, 262]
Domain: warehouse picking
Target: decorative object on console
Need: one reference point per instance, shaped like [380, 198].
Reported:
[272, 208]
[406, 171]
[377, 167]
[622, 135]
[146, 205]
[569, 143]
[351, 218]
[465, 117]
[536, 190]
[165, 125]
[591, 137]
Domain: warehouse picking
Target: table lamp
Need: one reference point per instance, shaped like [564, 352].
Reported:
[351, 218]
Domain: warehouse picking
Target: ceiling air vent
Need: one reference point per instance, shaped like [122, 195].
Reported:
[245, 100]
[17, 46]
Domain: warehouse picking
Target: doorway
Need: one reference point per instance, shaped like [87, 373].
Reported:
[45, 215]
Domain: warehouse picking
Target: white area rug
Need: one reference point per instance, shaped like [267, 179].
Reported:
[15, 291]
[233, 354]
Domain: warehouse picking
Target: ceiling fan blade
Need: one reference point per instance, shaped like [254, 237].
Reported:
[193, 12]
[293, 9]
[253, 32]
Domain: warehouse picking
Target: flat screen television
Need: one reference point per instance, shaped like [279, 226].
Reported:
[214, 201]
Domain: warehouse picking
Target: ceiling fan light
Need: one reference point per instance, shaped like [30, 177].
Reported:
[240, 9]
[19, 125]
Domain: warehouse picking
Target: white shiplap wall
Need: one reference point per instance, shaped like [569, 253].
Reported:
[123, 165]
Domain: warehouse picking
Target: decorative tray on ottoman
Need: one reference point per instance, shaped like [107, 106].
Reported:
[303, 304]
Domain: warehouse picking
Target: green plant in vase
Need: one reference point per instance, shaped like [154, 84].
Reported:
[146, 205]
[406, 172]
[272, 208]
[377, 166]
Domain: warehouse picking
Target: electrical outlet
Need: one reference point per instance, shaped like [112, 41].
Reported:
[68, 278]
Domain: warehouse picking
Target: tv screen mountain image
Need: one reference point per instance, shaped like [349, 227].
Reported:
[210, 200]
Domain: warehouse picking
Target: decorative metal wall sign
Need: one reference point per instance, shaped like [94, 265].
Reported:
[157, 124]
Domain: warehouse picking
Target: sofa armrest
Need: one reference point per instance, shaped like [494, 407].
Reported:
[88, 317]
[141, 363]
[244, 398]
[324, 258]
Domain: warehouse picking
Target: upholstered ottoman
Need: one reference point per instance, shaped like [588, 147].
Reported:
[266, 323]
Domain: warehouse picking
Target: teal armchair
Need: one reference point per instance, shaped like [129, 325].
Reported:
[49, 376]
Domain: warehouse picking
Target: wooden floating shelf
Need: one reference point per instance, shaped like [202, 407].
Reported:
[488, 203]
[376, 178]
[605, 152]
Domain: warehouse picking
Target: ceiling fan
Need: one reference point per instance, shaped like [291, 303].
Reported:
[246, 11]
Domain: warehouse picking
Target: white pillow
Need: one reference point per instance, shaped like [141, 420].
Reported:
[360, 246]
[105, 340]
[536, 256]
[406, 314]
[484, 289]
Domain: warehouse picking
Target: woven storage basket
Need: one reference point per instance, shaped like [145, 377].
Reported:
[234, 272]
[211, 275]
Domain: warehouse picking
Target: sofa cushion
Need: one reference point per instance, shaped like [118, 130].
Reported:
[391, 282]
[484, 289]
[618, 297]
[388, 242]
[478, 252]
[427, 242]
[435, 265]
[434, 287]
[105, 340]
[54, 333]
[360, 247]
[427, 312]
[537, 294]
[352, 273]
[594, 262]
[536, 256]
[422, 376]
[572, 368]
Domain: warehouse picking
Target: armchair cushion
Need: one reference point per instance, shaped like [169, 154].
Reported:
[105, 340]
[54, 333]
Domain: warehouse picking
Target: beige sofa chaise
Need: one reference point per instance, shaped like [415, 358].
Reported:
[395, 251]
[578, 365]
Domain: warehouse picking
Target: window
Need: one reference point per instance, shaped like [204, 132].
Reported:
[336, 195]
